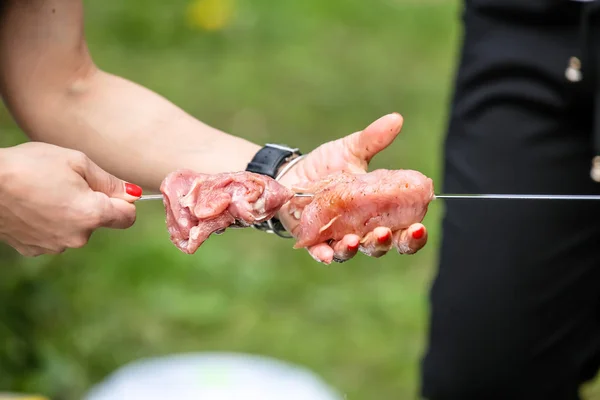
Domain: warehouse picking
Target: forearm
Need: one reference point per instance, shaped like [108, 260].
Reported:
[57, 95]
[134, 133]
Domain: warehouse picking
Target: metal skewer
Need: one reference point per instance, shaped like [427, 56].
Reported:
[151, 197]
[461, 196]
[518, 196]
[160, 196]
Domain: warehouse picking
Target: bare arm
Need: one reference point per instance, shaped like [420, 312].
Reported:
[52, 87]
[56, 93]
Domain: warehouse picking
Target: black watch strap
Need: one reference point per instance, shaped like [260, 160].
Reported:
[270, 158]
[268, 161]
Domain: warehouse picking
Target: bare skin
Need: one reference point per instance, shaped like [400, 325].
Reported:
[53, 198]
[353, 154]
[57, 95]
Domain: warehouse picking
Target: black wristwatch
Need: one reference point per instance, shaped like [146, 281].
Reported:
[268, 161]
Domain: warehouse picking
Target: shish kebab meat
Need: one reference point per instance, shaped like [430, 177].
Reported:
[198, 205]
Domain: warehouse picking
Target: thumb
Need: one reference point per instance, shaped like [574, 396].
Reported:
[375, 137]
[121, 216]
[114, 213]
[101, 181]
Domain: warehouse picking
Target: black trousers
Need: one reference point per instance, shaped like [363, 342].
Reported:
[515, 305]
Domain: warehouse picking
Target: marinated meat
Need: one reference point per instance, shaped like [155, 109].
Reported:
[346, 203]
[198, 205]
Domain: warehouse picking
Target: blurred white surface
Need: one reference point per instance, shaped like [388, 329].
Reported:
[212, 376]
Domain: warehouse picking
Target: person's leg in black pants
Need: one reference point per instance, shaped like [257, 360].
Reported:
[515, 307]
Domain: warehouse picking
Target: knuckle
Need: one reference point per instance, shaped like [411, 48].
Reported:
[78, 159]
[57, 250]
[29, 252]
[78, 242]
[10, 174]
[94, 216]
[112, 184]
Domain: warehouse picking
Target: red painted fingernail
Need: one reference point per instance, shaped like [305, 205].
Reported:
[133, 190]
[384, 238]
[418, 234]
[353, 247]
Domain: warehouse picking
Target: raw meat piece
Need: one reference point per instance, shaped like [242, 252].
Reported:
[198, 205]
[346, 203]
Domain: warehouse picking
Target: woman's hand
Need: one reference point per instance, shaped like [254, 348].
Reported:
[52, 199]
[353, 154]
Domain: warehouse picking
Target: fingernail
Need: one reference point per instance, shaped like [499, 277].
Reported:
[384, 238]
[353, 247]
[133, 190]
[418, 233]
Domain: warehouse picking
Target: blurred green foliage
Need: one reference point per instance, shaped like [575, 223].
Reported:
[298, 72]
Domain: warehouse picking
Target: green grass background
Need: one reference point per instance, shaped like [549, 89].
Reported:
[297, 71]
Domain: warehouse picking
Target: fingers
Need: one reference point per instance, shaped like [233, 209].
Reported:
[99, 212]
[321, 252]
[103, 182]
[339, 251]
[406, 241]
[103, 211]
[377, 242]
[109, 204]
[33, 251]
[411, 240]
[346, 248]
[376, 137]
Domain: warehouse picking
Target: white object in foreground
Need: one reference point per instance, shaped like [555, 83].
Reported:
[212, 376]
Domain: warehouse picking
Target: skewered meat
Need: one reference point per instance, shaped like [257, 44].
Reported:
[198, 205]
[346, 203]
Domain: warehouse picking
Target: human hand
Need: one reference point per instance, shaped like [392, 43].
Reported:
[352, 154]
[53, 198]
